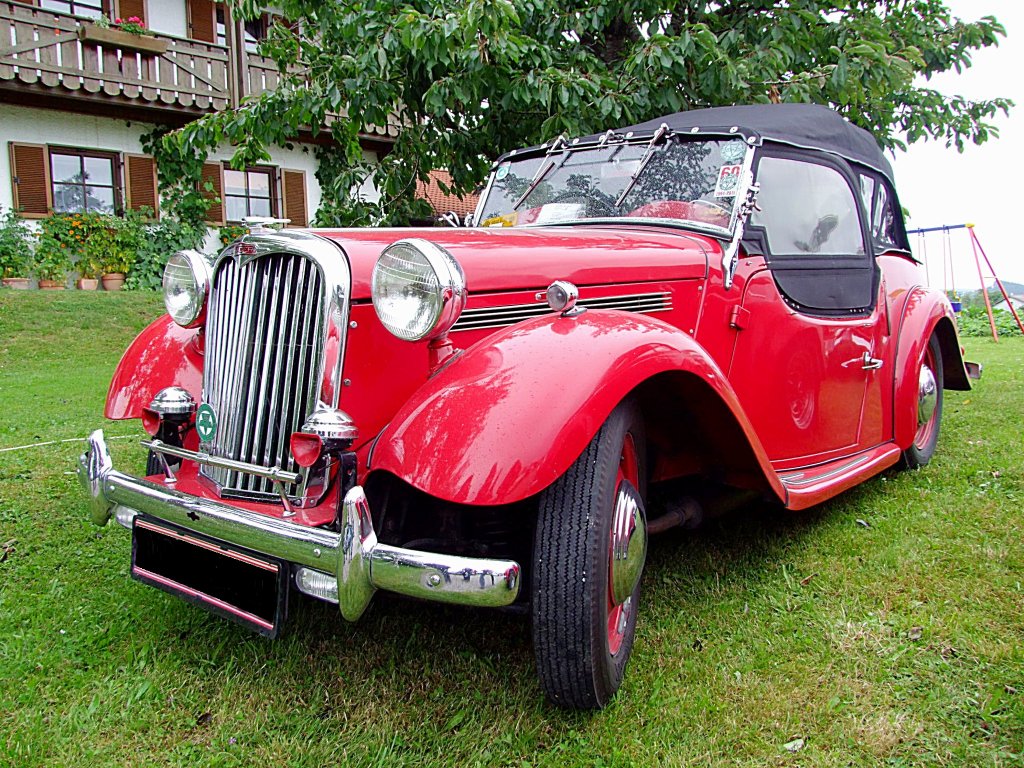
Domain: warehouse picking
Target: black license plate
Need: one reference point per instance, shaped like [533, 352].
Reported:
[247, 587]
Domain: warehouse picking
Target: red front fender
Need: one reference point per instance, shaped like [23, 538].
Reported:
[163, 355]
[510, 415]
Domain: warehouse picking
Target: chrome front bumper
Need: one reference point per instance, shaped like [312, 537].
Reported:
[354, 557]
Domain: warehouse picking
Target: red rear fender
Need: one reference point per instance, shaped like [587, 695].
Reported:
[510, 415]
[924, 314]
[163, 355]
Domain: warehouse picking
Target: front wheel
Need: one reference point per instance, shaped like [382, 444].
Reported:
[929, 407]
[588, 554]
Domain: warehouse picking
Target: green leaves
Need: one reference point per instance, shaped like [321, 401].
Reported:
[470, 79]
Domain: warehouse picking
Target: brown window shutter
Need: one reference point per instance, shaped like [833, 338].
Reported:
[293, 187]
[30, 178]
[140, 183]
[128, 8]
[212, 174]
[202, 20]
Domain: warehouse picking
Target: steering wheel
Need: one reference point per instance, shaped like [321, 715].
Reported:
[588, 200]
[716, 208]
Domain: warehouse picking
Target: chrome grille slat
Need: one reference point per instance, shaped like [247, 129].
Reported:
[286, 367]
[265, 408]
[478, 318]
[263, 346]
[256, 320]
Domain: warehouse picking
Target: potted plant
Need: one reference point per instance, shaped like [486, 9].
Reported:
[127, 235]
[15, 250]
[51, 267]
[130, 33]
[88, 274]
[94, 237]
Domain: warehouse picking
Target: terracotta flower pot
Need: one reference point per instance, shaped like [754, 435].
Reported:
[88, 284]
[113, 281]
[51, 285]
[17, 283]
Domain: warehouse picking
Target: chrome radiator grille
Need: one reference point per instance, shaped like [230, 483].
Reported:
[263, 339]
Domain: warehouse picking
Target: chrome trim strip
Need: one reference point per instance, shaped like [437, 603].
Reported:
[201, 457]
[495, 317]
[798, 479]
[360, 564]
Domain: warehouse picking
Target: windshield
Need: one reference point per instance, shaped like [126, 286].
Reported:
[680, 180]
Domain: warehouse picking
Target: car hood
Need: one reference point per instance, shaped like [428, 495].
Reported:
[508, 259]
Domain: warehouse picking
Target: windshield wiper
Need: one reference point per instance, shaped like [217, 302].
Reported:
[558, 144]
[662, 132]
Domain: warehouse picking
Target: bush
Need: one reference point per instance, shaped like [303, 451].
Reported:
[231, 232]
[161, 239]
[15, 246]
[973, 321]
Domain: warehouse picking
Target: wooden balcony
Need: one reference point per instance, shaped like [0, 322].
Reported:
[52, 59]
[51, 54]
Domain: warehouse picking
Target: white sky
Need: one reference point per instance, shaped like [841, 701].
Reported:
[940, 186]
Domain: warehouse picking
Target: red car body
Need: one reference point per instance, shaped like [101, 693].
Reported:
[739, 385]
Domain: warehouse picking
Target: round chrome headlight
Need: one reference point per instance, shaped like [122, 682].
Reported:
[419, 289]
[186, 286]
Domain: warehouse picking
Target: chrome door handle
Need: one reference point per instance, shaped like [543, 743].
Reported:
[871, 363]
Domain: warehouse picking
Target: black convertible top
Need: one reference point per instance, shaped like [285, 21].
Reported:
[810, 126]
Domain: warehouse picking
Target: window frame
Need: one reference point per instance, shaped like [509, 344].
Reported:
[105, 8]
[881, 183]
[790, 270]
[853, 186]
[116, 173]
[274, 175]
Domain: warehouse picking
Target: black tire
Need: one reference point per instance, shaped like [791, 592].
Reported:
[927, 436]
[572, 613]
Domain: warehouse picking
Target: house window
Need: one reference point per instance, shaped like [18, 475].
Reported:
[249, 193]
[90, 9]
[84, 181]
[222, 26]
[253, 30]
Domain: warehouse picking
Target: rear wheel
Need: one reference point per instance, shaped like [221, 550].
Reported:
[589, 552]
[929, 407]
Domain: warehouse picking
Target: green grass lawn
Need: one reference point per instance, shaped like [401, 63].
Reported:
[883, 628]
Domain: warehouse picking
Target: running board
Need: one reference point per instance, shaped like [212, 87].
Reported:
[813, 485]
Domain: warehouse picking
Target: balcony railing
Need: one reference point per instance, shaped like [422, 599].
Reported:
[50, 53]
[48, 50]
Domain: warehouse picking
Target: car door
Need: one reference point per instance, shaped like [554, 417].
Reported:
[805, 360]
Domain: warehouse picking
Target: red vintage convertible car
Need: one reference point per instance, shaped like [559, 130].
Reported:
[714, 302]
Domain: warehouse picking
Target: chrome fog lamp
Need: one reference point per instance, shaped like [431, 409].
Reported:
[419, 289]
[186, 287]
[562, 297]
[173, 405]
[325, 431]
[317, 584]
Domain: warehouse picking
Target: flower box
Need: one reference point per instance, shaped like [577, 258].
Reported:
[91, 33]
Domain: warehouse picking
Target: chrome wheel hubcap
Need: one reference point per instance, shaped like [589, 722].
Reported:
[628, 545]
[927, 395]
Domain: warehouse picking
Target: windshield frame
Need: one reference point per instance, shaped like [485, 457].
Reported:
[559, 146]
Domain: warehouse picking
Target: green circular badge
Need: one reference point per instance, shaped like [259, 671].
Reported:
[206, 423]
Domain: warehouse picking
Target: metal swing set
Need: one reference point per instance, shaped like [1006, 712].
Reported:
[949, 279]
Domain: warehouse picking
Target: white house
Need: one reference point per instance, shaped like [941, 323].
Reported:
[76, 97]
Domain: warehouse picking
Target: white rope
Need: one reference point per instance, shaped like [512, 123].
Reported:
[68, 440]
